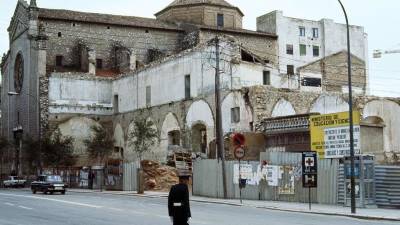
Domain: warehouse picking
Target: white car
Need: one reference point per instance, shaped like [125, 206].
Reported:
[14, 181]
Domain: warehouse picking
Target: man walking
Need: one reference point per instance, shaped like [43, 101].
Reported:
[178, 201]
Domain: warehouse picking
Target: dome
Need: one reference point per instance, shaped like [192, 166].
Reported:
[191, 2]
[183, 3]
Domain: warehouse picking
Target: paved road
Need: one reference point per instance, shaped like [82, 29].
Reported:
[20, 207]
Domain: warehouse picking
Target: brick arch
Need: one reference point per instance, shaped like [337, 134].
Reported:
[389, 112]
[193, 117]
[283, 107]
[79, 128]
[235, 99]
[328, 103]
[153, 154]
[200, 126]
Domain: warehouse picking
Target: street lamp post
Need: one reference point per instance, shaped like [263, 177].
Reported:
[352, 178]
[12, 93]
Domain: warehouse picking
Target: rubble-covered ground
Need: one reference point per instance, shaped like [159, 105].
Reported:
[158, 177]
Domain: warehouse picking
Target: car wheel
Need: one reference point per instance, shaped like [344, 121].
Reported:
[51, 192]
[63, 192]
[33, 191]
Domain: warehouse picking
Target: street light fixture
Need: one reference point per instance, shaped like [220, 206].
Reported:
[18, 130]
[352, 177]
[13, 93]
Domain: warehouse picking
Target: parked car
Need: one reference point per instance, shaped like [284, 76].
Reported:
[14, 181]
[48, 184]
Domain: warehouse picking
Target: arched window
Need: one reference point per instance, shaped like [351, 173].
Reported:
[18, 73]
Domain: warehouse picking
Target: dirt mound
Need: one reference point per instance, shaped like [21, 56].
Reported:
[158, 177]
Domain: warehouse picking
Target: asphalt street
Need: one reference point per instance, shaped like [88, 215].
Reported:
[21, 207]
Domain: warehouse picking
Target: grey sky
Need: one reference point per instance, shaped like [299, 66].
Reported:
[379, 17]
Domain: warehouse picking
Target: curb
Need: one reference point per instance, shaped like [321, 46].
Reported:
[328, 214]
[248, 205]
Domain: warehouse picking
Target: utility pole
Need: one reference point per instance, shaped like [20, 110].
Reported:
[218, 117]
[352, 175]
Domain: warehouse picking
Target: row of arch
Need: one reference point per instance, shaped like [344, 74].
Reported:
[377, 111]
[324, 104]
[199, 122]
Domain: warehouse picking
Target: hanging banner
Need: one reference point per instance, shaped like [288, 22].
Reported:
[330, 134]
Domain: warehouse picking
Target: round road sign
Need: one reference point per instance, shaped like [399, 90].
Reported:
[239, 152]
[238, 139]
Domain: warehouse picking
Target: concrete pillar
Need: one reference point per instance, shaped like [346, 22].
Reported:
[88, 60]
[125, 59]
[132, 60]
[41, 73]
[92, 61]
[33, 19]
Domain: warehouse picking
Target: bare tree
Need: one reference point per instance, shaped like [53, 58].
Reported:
[142, 137]
[58, 150]
[32, 153]
[101, 145]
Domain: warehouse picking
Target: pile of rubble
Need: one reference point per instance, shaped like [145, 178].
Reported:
[158, 177]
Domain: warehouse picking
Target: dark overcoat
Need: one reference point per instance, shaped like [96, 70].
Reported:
[178, 204]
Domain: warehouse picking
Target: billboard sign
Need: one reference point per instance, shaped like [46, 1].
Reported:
[330, 134]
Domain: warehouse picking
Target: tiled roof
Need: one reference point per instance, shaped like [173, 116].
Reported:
[236, 31]
[191, 2]
[60, 14]
[180, 3]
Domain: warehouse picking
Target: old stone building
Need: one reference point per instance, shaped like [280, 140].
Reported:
[302, 42]
[72, 70]
[330, 74]
[47, 42]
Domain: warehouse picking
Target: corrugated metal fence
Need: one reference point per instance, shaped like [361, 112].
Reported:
[207, 180]
[130, 177]
[387, 183]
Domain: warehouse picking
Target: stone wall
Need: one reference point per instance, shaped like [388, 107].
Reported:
[261, 45]
[203, 15]
[104, 39]
[334, 72]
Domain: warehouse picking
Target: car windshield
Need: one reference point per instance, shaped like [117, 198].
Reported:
[54, 178]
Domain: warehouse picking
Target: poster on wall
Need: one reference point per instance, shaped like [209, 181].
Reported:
[272, 176]
[246, 172]
[286, 180]
[330, 134]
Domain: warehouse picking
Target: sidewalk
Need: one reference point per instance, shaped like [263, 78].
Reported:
[334, 210]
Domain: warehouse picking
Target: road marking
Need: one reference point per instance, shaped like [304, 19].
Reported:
[154, 215]
[54, 200]
[23, 207]
[9, 204]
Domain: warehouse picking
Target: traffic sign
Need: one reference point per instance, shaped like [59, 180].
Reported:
[309, 169]
[238, 139]
[310, 180]
[309, 162]
[239, 152]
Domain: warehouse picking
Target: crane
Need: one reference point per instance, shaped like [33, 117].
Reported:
[378, 53]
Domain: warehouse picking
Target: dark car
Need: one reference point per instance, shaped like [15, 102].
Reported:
[48, 184]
